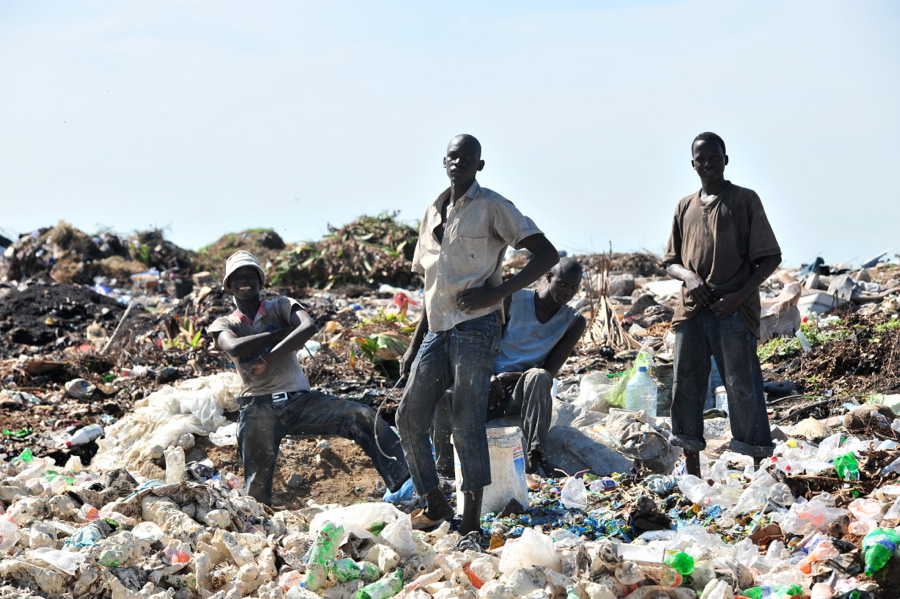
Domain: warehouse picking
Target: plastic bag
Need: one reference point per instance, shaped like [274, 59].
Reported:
[357, 518]
[531, 549]
[593, 391]
[574, 495]
[225, 435]
[398, 534]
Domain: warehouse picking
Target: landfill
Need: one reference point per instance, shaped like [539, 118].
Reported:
[120, 478]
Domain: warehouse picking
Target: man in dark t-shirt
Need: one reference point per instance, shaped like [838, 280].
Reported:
[723, 248]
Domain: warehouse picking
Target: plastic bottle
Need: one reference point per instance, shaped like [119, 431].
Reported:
[662, 575]
[9, 535]
[878, 547]
[175, 467]
[602, 484]
[85, 434]
[846, 466]
[721, 399]
[629, 573]
[640, 392]
[767, 592]
[820, 590]
[384, 588]
[347, 569]
[322, 552]
[822, 551]
[681, 562]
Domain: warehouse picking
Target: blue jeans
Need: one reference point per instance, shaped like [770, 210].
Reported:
[263, 423]
[462, 358]
[734, 347]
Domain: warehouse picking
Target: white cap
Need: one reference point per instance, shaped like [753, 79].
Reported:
[240, 259]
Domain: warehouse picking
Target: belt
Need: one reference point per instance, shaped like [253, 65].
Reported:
[267, 397]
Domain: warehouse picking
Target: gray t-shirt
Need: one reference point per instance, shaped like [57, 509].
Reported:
[282, 374]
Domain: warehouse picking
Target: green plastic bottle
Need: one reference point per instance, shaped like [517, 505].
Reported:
[322, 552]
[878, 547]
[384, 588]
[681, 562]
[846, 466]
[767, 592]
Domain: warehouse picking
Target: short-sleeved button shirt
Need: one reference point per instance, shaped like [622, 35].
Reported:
[721, 241]
[282, 374]
[479, 227]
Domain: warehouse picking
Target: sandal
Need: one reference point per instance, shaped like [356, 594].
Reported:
[422, 522]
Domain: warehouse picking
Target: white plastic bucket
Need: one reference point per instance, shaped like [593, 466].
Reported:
[505, 446]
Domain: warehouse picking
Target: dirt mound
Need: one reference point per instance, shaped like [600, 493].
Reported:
[641, 264]
[370, 250]
[265, 244]
[853, 357]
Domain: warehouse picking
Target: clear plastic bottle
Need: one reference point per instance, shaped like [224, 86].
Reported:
[640, 393]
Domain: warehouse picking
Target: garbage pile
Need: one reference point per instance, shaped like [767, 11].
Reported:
[820, 518]
[146, 501]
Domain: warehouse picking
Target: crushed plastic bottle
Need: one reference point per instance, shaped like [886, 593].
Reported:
[772, 592]
[629, 573]
[820, 590]
[878, 547]
[384, 588]
[347, 569]
[9, 535]
[847, 466]
[822, 551]
[681, 562]
[320, 554]
[175, 466]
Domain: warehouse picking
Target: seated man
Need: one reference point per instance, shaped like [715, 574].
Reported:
[540, 333]
[262, 339]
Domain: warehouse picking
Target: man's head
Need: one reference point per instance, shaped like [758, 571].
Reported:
[243, 274]
[563, 280]
[463, 160]
[708, 157]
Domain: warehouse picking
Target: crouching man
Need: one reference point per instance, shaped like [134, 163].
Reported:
[539, 335]
[262, 338]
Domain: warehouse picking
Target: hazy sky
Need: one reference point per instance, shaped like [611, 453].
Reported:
[208, 117]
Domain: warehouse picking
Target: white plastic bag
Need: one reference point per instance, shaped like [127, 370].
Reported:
[225, 435]
[574, 495]
[531, 549]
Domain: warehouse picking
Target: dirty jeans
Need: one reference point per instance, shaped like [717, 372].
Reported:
[531, 399]
[263, 423]
[733, 346]
[462, 358]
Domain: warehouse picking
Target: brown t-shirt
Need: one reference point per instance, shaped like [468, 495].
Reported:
[721, 241]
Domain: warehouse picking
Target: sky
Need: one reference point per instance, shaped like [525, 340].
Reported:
[203, 117]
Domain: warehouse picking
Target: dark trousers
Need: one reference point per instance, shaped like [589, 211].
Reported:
[263, 423]
[531, 399]
[462, 358]
[733, 346]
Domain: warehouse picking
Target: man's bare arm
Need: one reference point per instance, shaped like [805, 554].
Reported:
[565, 346]
[695, 285]
[409, 356]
